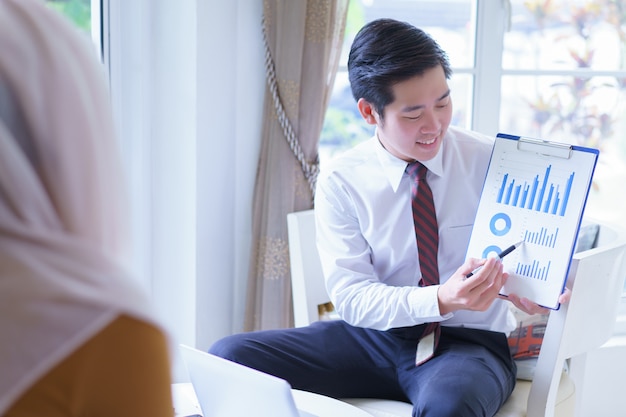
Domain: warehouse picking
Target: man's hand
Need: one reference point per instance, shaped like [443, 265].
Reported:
[475, 293]
[530, 307]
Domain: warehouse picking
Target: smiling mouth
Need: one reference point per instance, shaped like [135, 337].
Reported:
[427, 142]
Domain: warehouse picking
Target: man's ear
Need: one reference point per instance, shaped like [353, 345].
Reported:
[367, 111]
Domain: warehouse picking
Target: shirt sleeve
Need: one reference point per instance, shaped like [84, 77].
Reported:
[360, 297]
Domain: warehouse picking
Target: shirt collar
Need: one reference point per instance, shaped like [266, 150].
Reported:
[394, 167]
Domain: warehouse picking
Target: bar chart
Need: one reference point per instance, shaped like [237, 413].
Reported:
[540, 193]
[534, 269]
[542, 237]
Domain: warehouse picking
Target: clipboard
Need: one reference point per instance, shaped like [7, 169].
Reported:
[536, 191]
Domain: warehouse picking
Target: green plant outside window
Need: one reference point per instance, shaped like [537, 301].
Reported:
[78, 11]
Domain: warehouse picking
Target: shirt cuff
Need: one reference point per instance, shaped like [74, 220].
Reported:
[425, 304]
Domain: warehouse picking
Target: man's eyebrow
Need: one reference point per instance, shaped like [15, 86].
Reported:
[409, 109]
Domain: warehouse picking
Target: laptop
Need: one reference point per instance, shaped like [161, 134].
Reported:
[228, 389]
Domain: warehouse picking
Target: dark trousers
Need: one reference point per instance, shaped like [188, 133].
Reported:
[472, 373]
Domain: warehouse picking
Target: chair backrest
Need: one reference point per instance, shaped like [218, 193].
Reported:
[585, 323]
[307, 280]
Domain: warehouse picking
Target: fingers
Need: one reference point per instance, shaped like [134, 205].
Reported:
[471, 267]
[489, 276]
[530, 307]
[486, 287]
[527, 306]
[566, 296]
[476, 292]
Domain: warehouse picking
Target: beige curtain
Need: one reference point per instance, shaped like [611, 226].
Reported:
[303, 40]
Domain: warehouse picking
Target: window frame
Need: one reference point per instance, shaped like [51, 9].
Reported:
[97, 26]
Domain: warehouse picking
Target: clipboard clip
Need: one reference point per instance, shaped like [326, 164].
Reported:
[544, 147]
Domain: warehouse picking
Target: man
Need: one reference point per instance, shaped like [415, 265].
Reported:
[414, 328]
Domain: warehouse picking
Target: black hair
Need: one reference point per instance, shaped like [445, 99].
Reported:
[386, 52]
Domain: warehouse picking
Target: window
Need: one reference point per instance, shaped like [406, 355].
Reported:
[78, 11]
[564, 78]
[553, 70]
[85, 14]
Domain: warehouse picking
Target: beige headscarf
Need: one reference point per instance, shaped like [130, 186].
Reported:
[63, 216]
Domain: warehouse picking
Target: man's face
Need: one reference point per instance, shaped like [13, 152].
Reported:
[417, 120]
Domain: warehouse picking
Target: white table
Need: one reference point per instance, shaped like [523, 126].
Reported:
[323, 406]
[186, 403]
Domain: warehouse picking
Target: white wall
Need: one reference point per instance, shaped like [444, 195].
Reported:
[231, 79]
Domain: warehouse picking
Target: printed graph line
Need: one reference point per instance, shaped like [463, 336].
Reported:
[540, 195]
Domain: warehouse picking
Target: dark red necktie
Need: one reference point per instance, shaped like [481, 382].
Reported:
[427, 236]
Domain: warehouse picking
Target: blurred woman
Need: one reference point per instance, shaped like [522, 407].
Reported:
[78, 334]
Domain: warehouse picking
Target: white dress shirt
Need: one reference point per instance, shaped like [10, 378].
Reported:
[366, 237]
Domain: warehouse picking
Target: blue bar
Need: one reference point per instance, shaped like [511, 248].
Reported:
[557, 200]
[524, 195]
[507, 198]
[533, 192]
[516, 195]
[568, 188]
[499, 199]
[556, 233]
[543, 189]
[547, 204]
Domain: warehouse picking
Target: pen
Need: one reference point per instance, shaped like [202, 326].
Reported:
[499, 256]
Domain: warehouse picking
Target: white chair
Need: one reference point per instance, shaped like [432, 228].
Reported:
[584, 324]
